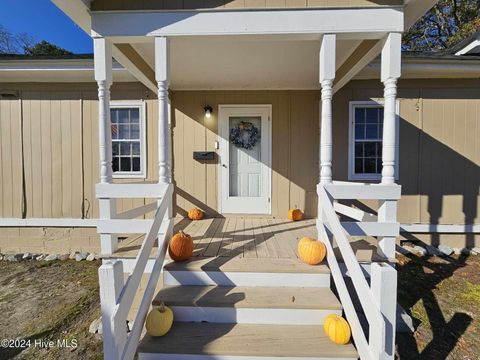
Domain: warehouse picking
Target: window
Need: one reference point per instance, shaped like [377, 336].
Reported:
[365, 146]
[128, 139]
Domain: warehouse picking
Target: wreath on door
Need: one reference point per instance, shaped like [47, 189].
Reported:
[245, 135]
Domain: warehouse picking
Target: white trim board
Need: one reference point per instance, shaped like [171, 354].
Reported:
[441, 228]
[362, 21]
[468, 48]
[68, 222]
[50, 222]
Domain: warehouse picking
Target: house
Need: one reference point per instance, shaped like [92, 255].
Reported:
[245, 109]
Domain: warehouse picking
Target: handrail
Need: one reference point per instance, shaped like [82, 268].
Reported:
[128, 293]
[119, 295]
[372, 313]
[134, 337]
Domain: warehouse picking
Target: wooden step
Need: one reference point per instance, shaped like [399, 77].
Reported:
[250, 305]
[189, 341]
[246, 272]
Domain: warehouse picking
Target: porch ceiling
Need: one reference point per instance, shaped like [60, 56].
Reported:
[245, 62]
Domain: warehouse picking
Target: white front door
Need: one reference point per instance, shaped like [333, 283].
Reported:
[245, 159]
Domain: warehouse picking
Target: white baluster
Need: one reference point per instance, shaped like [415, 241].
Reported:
[390, 72]
[327, 75]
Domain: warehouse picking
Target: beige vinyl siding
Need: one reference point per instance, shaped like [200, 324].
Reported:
[294, 147]
[439, 147]
[231, 4]
[91, 147]
[10, 158]
[52, 123]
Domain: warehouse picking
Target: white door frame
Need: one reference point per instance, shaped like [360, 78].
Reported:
[224, 148]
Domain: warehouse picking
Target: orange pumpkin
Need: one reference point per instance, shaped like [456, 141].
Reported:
[311, 251]
[295, 214]
[195, 214]
[181, 246]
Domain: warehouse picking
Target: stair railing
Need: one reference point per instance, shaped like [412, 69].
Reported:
[117, 296]
[376, 299]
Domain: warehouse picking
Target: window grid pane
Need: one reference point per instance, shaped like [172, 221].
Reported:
[126, 141]
[367, 137]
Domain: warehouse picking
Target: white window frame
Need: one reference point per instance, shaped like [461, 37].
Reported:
[351, 140]
[126, 104]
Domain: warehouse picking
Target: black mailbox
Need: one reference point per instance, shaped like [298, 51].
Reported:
[204, 155]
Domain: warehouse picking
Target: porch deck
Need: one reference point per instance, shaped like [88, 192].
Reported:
[248, 237]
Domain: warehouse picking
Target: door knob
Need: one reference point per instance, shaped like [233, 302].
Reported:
[225, 166]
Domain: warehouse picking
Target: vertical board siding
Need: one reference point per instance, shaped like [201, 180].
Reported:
[53, 153]
[294, 147]
[439, 148]
[10, 158]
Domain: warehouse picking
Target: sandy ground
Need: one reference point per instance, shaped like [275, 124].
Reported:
[443, 297]
[55, 301]
[49, 301]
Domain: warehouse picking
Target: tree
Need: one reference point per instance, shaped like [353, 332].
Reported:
[44, 48]
[23, 43]
[446, 23]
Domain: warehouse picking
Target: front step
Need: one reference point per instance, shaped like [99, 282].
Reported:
[250, 305]
[192, 341]
[246, 272]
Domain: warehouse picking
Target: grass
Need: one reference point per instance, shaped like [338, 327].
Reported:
[43, 301]
[59, 300]
[443, 297]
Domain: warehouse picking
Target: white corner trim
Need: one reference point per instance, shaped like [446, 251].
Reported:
[47, 222]
[351, 140]
[467, 48]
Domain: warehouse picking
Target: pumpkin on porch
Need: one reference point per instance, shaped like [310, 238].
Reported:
[337, 329]
[181, 246]
[295, 214]
[311, 251]
[159, 321]
[195, 214]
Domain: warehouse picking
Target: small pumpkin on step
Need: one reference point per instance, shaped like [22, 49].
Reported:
[337, 329]
[311, 251]
[180, 247]
[159, 321]
[195, 214]
[295, 214]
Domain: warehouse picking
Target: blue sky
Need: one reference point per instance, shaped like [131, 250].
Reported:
[44, 21]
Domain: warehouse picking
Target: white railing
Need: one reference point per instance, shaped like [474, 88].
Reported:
[378, 299]
[117, 296]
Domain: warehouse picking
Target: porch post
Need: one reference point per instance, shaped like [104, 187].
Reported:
[390, 72]
[162, 75]
[327, 75]
[102, 49]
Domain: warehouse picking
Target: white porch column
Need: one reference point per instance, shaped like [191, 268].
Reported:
[327, 75]
[162, 75]
[103, 76]
[390, 72]
[102, 49]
